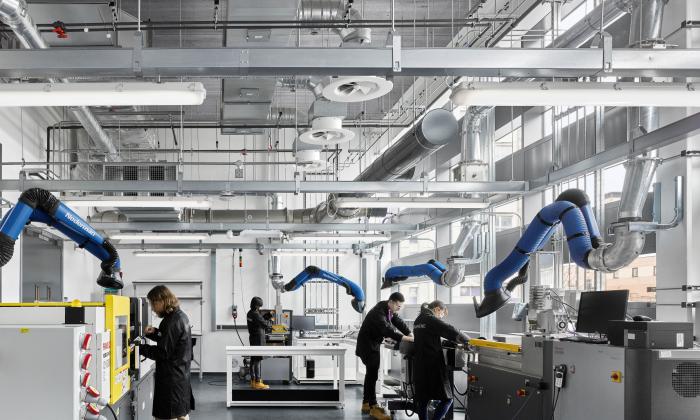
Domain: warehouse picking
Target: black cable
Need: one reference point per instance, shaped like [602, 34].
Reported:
[235, 327]
[527, 400]
[112, 411]
[556, 399]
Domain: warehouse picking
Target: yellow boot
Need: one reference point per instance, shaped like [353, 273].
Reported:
[379, 413]
[365, 408]
[252, 383]
[261, 385]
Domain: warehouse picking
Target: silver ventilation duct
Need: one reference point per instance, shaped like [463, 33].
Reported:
[628, 244]
[456, 264]
[435, 130]
[587, 27]
[645, 32]
[335, 10]
[14, 14]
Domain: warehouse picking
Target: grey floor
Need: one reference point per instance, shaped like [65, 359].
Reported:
[210, 396]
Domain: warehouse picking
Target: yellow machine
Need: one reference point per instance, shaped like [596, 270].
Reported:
[116, 321]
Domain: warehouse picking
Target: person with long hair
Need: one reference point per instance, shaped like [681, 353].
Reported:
[257, 325]
[430, 376]
[172, 392]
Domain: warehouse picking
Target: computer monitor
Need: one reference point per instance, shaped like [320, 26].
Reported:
[304, 323]
[597, 309]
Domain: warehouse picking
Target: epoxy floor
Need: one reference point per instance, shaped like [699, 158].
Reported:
[210, 396]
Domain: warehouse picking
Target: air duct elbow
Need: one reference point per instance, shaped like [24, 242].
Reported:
[627, 247]
[338, 11]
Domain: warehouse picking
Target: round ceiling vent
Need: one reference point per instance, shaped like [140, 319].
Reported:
[356, 88]
[327, 131]
[309, 160]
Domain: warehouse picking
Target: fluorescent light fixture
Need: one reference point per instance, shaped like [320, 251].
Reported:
[354, 237]
[577, 94]
[160, 236]
[193, 253]
[411, 202]
[140, 202]
[101, 94]
[308, 253]
[254, 233]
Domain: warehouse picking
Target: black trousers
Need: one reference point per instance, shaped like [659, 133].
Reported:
[371, 363]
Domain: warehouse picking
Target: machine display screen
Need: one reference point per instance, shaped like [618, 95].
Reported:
[122, 344]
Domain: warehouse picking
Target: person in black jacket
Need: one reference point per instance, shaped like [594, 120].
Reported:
[381, 322]
[257, 325]
[430, 376]
[172, 392]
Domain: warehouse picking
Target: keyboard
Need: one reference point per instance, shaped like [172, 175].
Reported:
[585, 339]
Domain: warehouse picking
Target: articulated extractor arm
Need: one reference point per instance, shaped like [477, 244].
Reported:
[313, 272]
[433, 269]
[39, 205]
[586, 247]
[450, 275]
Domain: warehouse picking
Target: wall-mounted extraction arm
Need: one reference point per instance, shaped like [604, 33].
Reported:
[39, 205]
[586, 247]
[449, 276]
[313, 272]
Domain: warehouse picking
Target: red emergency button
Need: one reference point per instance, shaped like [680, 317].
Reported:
[85, 344]
[616, 376]
[522, 392]
[86, 362]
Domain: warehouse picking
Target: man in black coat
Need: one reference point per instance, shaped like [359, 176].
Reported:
[172, 393]
[381, 322]
[430, 376]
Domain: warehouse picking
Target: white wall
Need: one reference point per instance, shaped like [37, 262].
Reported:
[23, 136]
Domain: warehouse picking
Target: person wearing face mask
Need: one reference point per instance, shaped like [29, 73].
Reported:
[381, 322]
[172, 392]
[430, 374]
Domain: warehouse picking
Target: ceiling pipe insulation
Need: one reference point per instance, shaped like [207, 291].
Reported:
[14, 14]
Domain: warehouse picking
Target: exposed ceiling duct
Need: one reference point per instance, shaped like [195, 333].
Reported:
[14, 14]
[336, 10]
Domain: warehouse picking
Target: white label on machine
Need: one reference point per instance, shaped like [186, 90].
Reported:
[630, 336]
[680, 338]
[665, 354]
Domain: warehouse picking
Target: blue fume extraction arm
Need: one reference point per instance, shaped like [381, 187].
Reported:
[450, 275]
[39, 205]
[312, 272]
[586, 247]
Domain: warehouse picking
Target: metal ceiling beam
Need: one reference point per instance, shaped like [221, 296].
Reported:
[223, 227]
[216, 62]
[242, 187]
[233, 245]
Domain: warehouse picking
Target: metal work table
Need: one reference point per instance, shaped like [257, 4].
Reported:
[335, 352]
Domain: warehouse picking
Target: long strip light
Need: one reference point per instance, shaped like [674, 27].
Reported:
[138, 202]
[308, 253]
[577, 94]
[341, 237]
[101, 94]
[186, 237]
[201, 253]
[411, 202]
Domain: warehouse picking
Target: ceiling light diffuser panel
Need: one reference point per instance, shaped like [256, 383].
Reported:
[101, 94]
[576, 94]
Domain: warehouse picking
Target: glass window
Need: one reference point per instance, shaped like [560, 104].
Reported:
[510, 215]
[463, 292]
[421, 242]
[418, 293]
